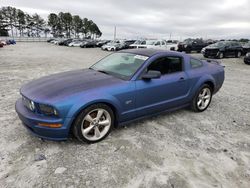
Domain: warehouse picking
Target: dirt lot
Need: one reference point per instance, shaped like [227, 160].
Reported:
[180, 149]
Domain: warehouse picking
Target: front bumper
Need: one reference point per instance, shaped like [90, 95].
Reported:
[31, 120]
[211, 53]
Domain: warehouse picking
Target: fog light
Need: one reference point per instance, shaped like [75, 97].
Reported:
[51, 125]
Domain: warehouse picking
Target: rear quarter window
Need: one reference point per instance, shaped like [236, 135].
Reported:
[195, 63]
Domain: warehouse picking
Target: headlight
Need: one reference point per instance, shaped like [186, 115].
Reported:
[29, 104]
[248, 54]
[47, 110]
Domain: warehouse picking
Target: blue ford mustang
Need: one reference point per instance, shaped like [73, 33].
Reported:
[122, 87]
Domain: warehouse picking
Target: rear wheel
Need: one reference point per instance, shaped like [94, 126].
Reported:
[94, 123]
[202, 99]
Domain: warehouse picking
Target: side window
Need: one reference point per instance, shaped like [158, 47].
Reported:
[166, 65]
[157, 43]
[195, 63]
[143, 42]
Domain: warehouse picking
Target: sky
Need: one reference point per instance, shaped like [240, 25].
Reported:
[180, 19]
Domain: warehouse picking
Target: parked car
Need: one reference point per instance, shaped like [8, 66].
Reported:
[223, 49]
[190, 45]
[76, 43]
[128, 43]
[50, 40]
[156, 44]
[120, 88]
[10, 41]
[88, 44]
[247, 59]
[137, 44]
[112, 46]
[56, 41]
[246, 48]
[101, 43]
[65, 42]
[3, 42]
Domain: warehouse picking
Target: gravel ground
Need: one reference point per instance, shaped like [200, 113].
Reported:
[179, 149]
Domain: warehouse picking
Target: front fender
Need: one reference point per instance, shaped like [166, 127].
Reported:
[94, 98]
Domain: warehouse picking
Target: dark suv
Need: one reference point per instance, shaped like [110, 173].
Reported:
[223, 49]
[191, 45]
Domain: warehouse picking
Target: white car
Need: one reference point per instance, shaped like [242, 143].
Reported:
[138, 44]
[161, 44]
[111, 46]
[75, 43]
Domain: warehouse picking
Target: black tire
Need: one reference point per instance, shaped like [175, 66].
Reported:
[194, 104]
[221, 55]
[77, 125]
[238, 54]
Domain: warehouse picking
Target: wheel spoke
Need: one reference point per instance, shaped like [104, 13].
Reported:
[204, 92]
[203, 103]
[206, 97]
[104, 123]
[89, 118]
[99, 115]
[199, 102]
[97, 132]
[88, 129]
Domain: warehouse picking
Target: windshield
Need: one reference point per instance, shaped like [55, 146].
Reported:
[247, 44]
[150, 42]
[121, 65]
[137, 42]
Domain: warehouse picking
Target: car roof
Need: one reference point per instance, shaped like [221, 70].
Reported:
[150, 52]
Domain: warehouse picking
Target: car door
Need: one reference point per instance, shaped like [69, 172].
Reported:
[230, 50]
[168, 91]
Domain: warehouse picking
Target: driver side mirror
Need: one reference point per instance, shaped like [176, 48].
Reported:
[151, 75]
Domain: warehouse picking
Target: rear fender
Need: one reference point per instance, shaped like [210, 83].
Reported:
[198, 85]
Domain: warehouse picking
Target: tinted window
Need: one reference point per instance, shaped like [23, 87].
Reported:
[167, 65]
[195, 63]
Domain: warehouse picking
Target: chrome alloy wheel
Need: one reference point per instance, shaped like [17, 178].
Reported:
[204, 98]
[96, 124]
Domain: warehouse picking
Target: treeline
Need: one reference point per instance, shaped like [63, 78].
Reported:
[18, 23]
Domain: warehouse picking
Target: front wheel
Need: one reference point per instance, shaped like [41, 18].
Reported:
[202, 99]
[238, 54]
[221, 55]
[94, 123]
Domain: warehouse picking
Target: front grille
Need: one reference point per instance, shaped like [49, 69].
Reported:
[211, 52]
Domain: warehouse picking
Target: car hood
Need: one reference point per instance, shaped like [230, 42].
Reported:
[56, 87]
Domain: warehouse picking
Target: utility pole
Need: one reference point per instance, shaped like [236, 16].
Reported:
[114, 33]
